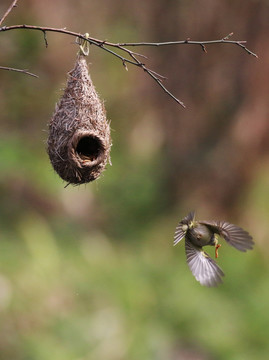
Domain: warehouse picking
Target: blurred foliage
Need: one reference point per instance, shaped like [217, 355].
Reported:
[90, 272]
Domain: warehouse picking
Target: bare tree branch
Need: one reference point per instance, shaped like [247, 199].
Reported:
[129, 56]
[18, 70]
[224, 40]
[14, 4]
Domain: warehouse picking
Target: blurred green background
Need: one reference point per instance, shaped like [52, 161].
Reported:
[90, 272]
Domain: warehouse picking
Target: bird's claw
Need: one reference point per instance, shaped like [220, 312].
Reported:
[217, 246]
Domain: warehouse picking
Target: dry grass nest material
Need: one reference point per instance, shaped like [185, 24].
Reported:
[79, 139]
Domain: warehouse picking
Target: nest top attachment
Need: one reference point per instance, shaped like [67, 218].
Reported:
[79, 139]
[84, 46]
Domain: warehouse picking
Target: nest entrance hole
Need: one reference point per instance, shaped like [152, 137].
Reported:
[90, 148]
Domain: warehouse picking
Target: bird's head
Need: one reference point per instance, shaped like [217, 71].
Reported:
[191, 224]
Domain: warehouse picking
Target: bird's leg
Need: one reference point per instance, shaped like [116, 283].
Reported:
[217, 246]
[216, 250]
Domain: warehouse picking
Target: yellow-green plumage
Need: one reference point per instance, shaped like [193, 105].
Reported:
[202, 233]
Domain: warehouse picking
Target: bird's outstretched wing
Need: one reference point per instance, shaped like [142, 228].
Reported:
[204, 269]
[190, 217]
[180, 231]
[234, 235]
[179, 234]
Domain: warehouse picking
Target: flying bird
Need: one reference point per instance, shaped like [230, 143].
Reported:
[198, 234]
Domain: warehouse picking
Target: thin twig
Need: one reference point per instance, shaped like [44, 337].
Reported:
[14, 4]
[191, 42]
[161, 77]
[156, 77]
[45, 39]
[131, 56]
[18, 70]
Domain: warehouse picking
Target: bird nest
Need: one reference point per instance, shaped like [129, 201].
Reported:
[79, 139]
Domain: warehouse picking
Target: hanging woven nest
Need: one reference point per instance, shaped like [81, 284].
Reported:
[79, 135]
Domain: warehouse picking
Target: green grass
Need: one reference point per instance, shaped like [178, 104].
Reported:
[97, 298]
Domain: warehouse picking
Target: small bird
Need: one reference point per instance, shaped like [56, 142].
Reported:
[201, 233]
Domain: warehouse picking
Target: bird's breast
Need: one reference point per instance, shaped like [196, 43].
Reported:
[199, 236]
